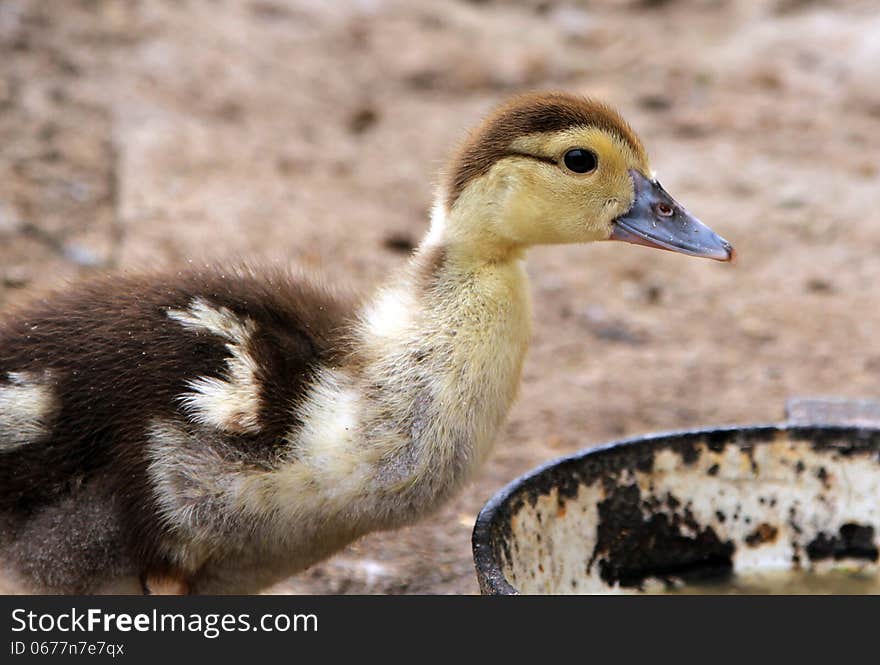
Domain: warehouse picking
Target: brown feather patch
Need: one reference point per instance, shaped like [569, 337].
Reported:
[530, 114]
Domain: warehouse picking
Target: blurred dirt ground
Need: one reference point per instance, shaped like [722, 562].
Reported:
[136, 133]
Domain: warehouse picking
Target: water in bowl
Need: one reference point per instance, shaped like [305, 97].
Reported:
[833, 581]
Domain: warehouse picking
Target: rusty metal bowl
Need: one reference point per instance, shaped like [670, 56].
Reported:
[665, 511]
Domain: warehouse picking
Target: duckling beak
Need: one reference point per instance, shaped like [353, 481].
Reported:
[657, 220]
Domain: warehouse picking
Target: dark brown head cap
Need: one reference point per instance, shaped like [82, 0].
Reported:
[531, 113]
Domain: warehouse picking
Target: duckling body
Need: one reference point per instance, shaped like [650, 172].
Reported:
[219, 430]
[261, 430]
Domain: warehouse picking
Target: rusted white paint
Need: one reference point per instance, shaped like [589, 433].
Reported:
[793, 487]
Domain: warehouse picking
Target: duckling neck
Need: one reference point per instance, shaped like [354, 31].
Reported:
[441, 356]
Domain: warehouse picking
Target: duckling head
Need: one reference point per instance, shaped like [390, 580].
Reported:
[555, 168]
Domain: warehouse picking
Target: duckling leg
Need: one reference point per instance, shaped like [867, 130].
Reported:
[164, 585]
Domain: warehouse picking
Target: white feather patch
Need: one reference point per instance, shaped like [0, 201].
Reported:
[390, 315]
[231, 404]
[330, 417]
[26, 406]
[193, 484]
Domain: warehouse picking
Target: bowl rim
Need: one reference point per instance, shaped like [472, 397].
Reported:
[490, 576]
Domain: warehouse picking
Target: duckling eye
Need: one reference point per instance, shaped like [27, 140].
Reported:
[580, 160]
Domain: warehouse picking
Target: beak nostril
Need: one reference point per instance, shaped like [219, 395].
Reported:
[664, 210]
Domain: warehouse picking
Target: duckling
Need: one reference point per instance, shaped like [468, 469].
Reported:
[218, 430]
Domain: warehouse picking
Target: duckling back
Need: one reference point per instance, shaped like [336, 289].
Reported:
[123, 404]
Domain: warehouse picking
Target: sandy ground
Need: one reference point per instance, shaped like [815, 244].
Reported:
[137, 133]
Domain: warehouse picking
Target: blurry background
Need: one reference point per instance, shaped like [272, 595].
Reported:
[142, 133]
